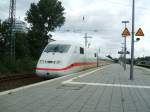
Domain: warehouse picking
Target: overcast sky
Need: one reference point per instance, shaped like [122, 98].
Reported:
[102, 22]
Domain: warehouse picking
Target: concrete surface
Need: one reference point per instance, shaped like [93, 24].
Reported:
[105, 89]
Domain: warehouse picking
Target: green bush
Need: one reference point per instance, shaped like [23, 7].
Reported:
[24, 65]
[3, 68]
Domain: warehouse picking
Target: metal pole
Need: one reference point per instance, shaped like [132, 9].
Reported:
[122, 58]
[132, 43]
[97, 60]
[98, 57]
[85, 39]
[125, 53]
[12, 10]
[125, 22]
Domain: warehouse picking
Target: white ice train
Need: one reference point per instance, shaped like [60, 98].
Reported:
[61, 58]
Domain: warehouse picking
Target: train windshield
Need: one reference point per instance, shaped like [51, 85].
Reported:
[61, 48]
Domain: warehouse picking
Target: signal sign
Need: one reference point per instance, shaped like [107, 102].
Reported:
[125, 32]
[139, 32]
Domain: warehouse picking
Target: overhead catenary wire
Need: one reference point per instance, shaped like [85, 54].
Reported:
[127, 5]
[122, 4]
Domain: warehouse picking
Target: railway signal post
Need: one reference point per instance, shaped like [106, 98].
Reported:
[12, 12]
[125, 34]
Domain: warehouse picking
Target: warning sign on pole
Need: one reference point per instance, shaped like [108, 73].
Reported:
[125, 32]
[139, 32]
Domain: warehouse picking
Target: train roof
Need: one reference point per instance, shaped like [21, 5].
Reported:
[106, 58]
[73, 43]
[66, 42]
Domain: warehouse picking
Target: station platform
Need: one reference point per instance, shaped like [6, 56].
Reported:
[105, 89]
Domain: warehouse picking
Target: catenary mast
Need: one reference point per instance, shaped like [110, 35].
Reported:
[11, 20]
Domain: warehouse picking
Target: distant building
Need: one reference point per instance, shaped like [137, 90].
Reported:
[20, 26]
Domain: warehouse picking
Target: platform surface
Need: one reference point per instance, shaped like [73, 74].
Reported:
[106, 89]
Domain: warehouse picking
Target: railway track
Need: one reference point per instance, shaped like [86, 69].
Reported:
[11, 82]
[146, 66]
[16, 77]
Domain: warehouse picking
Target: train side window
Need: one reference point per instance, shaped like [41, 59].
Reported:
[81, 50]
[95, 55]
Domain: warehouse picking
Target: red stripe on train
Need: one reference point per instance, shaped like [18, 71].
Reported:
[68, 67]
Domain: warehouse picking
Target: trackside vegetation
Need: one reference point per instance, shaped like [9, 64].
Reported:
[42, 17]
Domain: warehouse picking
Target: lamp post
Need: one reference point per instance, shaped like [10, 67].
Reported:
[132, 42]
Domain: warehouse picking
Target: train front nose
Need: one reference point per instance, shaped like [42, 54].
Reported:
[47, 74]
[53, 59]
[49, 68]
[42, 73]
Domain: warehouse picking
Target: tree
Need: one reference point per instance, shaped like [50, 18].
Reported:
[22, 49]
[21, 43]
[4, 38]
[45, 16]
[23, 62]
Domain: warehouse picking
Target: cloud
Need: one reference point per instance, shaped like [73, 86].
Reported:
[21, 7]
[106, 16]
[102, 22]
